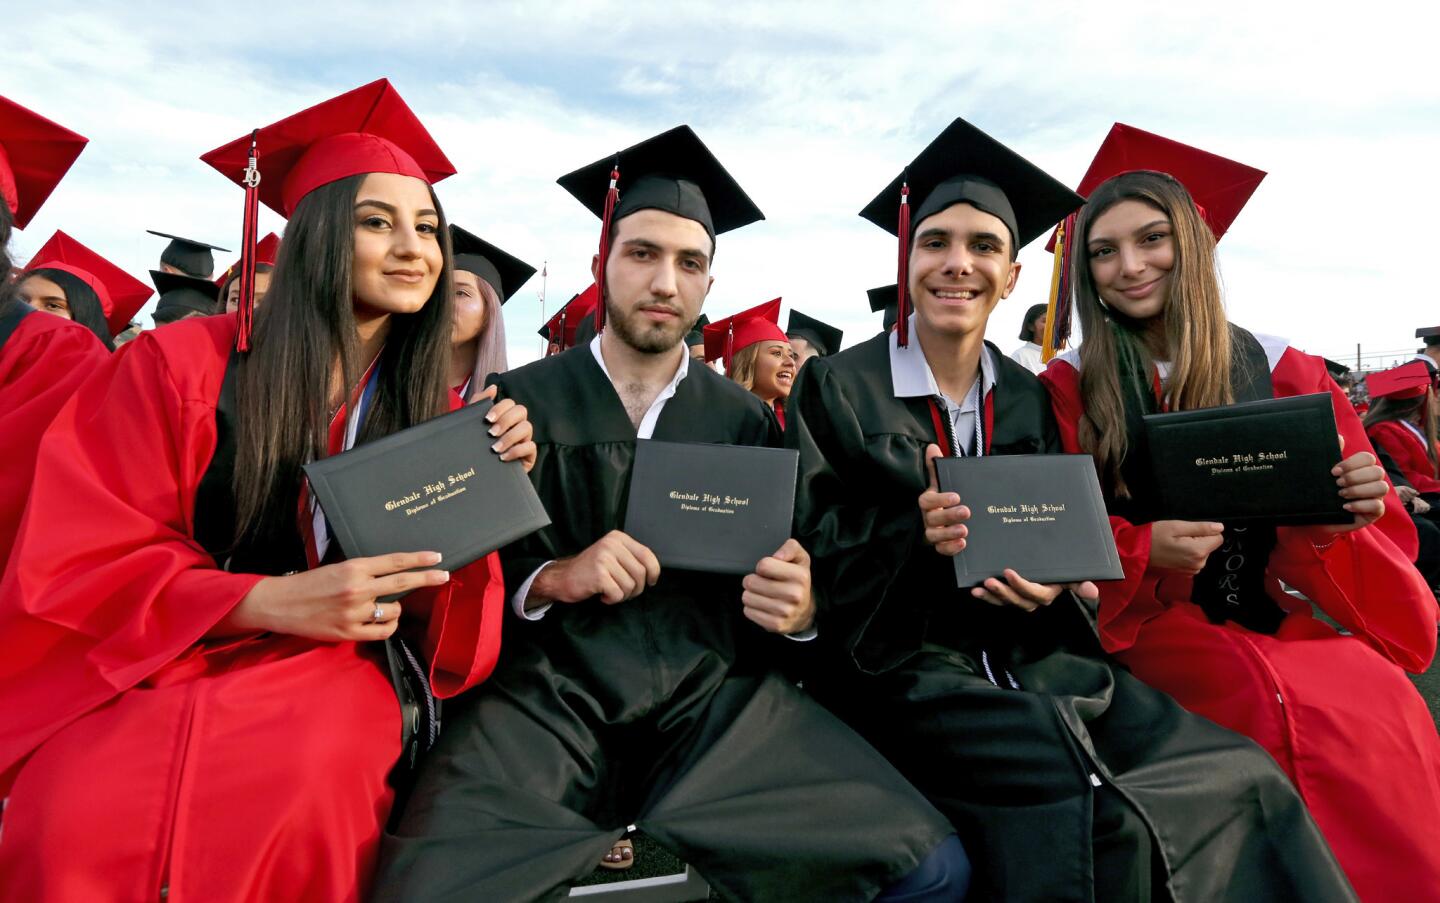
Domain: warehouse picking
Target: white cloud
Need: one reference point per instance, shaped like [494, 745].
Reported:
[813, 106]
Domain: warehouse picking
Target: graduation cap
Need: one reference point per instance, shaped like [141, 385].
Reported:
[1219, 186]
[183, 293]
[963, 165]
[35, 154]
[824, 337]
[696, 335]
[1335, 368]
[504, 272]
[267, 250]
[886, 298]
[566, 328]
[674, 172]
[1408, 380]
[120, 294]
[188, 255]
[1431, 335]
[369, 129]
[761, 323]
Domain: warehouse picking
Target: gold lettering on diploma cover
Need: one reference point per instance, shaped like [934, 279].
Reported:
[443, 489]
[1025, 513]
[1243, 462]
[707, 502]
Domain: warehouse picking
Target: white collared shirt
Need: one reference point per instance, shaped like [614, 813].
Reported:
[911, 377]
[645, 430]
[1030, 356]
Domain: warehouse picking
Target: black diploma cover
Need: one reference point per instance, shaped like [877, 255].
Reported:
[715, 508]
[436, 486]
[1257, 461]
[1040, 515]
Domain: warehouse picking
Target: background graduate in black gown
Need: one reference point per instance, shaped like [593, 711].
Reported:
[1067, 779]
[644, 695]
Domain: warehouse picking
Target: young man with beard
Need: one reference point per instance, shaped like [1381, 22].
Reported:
[1066, 778]
[627, 693]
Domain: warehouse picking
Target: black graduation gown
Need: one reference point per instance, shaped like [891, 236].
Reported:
[1062, 790]
[665, 710]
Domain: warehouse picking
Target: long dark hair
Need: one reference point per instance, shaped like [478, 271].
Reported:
[7, 266]
[306, 324]
[1114, 358]
[1410, 410]
[84, 304]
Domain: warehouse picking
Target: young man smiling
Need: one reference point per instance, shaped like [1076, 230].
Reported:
[627, 693]
[998, 703]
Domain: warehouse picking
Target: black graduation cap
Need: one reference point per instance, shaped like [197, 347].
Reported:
[823, 336]
[473, 254]
[886, 298]
[184, 293]
[189, 255]
[696, 335]
[963, 164]
[673, 171]
[1336, 368]
[1431, 335]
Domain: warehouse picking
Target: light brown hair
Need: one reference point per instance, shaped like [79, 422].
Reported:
[1114, 358]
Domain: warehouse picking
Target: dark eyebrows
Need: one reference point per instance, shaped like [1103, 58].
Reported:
[937, 232]
[649, 245]
[391, 208]
[1103, 240]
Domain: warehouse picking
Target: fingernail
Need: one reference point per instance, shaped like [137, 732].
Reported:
[1348, 506]
[490, 416]
[496, 447]
[435, 557]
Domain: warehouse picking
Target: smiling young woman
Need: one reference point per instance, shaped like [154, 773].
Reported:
[756, 354]
[1201, 613]
[220, 722]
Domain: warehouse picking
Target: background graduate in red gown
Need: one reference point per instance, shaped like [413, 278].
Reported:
[43, 358]
[195, 707]
[1335, 710]
[757, 354]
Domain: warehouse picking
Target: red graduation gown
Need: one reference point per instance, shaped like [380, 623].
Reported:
[41, 364]
[1408, 450]
[1337, 712]
[139, 757]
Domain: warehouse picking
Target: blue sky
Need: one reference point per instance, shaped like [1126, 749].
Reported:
[813, 106]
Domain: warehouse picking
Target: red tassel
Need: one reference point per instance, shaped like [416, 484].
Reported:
[611, 197]
[902, 278]
[729, 346]
[247, 248]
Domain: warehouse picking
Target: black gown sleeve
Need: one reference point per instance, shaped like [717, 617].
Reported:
[860, 528]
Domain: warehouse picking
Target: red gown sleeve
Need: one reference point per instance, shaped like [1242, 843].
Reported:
[1408, 452]
[105, 584]
[1365, 579]
[1125, 604]
[41, 365]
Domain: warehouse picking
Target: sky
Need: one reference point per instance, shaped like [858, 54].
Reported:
[813, 107]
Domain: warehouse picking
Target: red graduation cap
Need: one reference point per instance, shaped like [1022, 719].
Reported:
[266, 250]
[1405, 381]
[761, 323]
[1219, 186]
[120, 294]
[35, 154]
[562, 330]
[369, 129]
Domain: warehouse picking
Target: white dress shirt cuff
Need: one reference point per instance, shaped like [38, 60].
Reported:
[517, 601]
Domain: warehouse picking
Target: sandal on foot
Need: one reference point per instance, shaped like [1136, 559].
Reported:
[624, 850]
